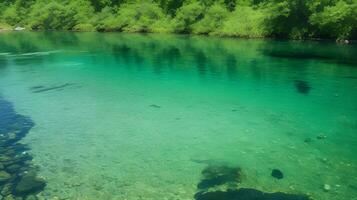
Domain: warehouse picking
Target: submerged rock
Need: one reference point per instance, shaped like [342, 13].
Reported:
[14, 161]
[29, 184]
[247, 194]
[302, 87]
[219, 175]
[155, 106]
[307, 140]
[327, 187]
[4, 176]
[13, 168]
[321, 136]
[9, 197]
[31, 197]
[276, 173]
[6, 190]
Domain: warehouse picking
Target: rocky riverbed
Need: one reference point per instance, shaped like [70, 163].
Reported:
[18, 177]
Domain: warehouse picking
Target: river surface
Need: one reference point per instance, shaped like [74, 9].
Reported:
[131, 116]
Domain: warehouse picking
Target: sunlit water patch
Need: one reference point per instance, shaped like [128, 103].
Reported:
[121, 116]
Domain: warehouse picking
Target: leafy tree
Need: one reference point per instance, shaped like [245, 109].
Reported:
[187, 15]
[212, 21]
[339, 20]
[288, 18]
[295, 19]
[136, 17]
[170, 6]
[245, 22]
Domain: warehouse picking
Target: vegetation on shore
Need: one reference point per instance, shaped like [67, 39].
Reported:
[293, 19]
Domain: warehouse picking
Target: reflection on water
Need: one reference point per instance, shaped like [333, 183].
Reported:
[163, 51]
[148, 116]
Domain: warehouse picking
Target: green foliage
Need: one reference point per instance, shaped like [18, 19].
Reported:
[186, 16]
[245, 22]
[50, 16]
[294, 19]
[84, 27]
[57, 16]
[5, 27]
[212, 21]
[339, 20]
[10, 15]
[135, 17]
[288, 18]
[170, 6]
[14, 12]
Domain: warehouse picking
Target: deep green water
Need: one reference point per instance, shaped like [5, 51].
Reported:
[129, 116]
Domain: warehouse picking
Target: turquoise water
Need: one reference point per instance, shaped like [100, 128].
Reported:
[129, 116]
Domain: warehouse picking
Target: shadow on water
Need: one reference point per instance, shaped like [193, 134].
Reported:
[18, 176]
[219, 175]
[219, 57]
[323, 53]
[302, 87]
[220, 182]
[247, 194]
[41, 88]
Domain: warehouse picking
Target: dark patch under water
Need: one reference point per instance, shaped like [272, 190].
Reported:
[307, 140]
[247, 194]
[155, 106]
[298, 55]
[40, 88]
[17, 174]
[302, 87]
[219, 175]
[276, 173]
[310, 55]
[215, 176]
[350, 77]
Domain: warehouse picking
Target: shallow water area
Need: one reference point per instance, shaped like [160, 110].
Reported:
[131, 116]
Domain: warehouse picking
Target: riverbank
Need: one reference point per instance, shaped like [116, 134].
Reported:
[8, 28]
[5, 27]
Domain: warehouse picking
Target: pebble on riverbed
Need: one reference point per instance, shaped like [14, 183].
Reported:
[321, 137]
[327, 187]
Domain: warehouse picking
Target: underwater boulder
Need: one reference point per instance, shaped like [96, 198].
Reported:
[13, 168]
[14, 159]
[6, 190]
[276, 173]
[29, 184]
[4, 176]
[155, 106]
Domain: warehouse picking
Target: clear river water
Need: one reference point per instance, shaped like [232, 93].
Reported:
[135, 116]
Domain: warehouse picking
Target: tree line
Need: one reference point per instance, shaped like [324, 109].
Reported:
[292, 19]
